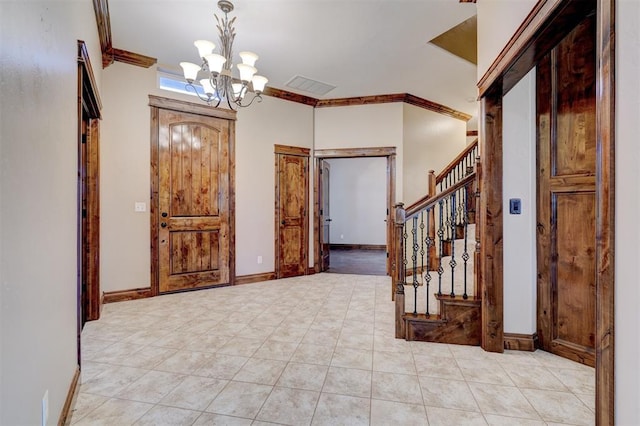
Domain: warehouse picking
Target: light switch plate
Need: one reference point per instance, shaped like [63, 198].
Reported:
[515, 206]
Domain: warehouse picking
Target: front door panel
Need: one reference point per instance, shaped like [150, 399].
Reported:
[193, 201]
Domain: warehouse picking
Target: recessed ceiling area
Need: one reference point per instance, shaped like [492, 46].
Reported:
[461, 40]
[362, 47]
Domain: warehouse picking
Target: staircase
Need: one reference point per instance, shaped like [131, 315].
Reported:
[434, 265]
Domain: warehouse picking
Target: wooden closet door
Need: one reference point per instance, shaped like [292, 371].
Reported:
[566, 184]
[194, 169]
[292, 199]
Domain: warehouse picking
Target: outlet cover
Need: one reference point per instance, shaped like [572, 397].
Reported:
[259, 260]
[140, 207]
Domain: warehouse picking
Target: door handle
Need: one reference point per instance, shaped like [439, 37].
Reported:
[163, 224]
[283, 222]
[328, 220]
[164, 214]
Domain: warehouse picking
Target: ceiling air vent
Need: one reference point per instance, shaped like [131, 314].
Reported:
[310, 86]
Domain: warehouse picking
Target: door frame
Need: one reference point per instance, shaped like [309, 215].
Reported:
[548, 22]
[324, 169]
[88, 219]
[323, 154]
[299, 152]
[156, 103]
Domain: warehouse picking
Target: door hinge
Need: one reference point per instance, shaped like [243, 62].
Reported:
[387, 212]
[387, 255]
[321, 212]
[84, 138]
[84, 213]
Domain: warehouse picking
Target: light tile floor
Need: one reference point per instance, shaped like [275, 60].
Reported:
[314, 350]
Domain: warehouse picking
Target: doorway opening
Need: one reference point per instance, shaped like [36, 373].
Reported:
[352, 227]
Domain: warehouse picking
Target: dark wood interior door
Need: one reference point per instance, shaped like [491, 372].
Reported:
[566, 185]
[292, 200]
[194, 207]
[325, 217]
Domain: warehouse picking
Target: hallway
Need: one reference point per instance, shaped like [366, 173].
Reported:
[318, 350]
[361, 262]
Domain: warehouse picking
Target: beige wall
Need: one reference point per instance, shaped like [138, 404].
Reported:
[364, 126]
[498, 20]
[519, 181]
[491, 38]
[38, 201]
[430, 142]
[358, 200]
[627, 208]
[125, 179]
[259, 127]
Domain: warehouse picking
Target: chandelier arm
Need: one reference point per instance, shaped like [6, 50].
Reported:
[208, 99]
[258, 97]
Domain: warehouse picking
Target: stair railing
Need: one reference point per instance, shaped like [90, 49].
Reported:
[425, 234]
[459, 167]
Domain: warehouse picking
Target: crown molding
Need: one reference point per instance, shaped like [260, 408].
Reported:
[290, 96]
[391, 98]
[132, 58]
[109, 53]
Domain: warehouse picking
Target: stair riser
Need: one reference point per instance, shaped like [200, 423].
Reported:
[459, 324]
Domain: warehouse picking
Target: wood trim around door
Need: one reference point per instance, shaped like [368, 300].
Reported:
[88, 210]
[322, 154]
[514, 62]
[605, 211]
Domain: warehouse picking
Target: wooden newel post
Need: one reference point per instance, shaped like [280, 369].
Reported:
[431, 183]
[398, 275]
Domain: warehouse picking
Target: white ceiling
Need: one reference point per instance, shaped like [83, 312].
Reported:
[364, 47]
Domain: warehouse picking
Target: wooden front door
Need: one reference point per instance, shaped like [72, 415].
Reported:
[194, 210]
[325, 217]
[292, 201]
[566, 182]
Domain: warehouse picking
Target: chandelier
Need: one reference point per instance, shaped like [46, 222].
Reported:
[219, 83]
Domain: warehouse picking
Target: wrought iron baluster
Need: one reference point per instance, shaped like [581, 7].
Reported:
[404, 253]
[427, 272]
[452, 262]
[422, 213]
[460, 219]
[414, 263]
[465, 254]
[440, 246]
[447, 215]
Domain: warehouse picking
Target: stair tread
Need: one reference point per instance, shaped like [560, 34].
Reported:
[423, 317]
[457, 298]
